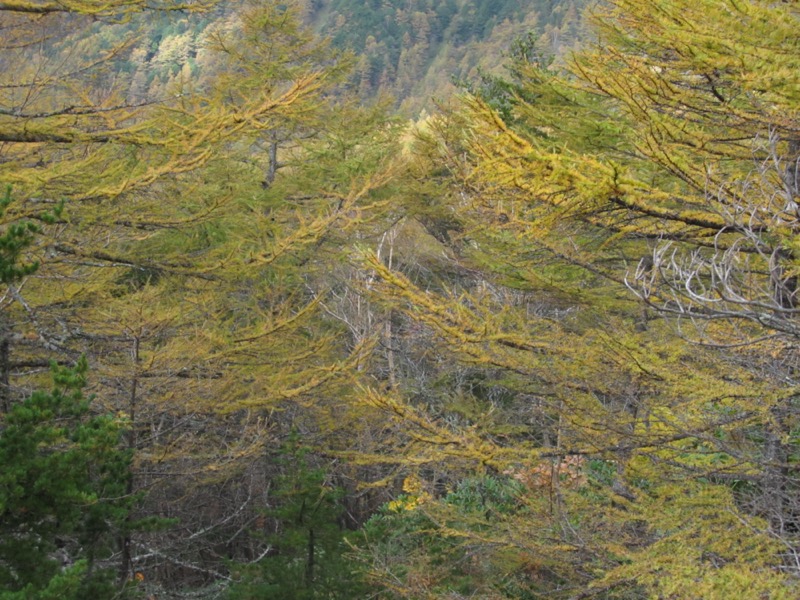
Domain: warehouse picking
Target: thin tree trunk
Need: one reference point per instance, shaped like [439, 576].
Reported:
[126, 562]
[272, 166]
[5, 366]
[310, 560]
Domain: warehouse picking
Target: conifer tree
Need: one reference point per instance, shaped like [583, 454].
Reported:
[63, 499]
[652, 467]
[63, 494]
[306, 556]
[173, 269]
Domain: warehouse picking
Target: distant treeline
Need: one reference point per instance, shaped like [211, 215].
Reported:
[413, 49]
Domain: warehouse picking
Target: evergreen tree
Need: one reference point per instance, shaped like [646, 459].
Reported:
[63, 494]
[307, 554]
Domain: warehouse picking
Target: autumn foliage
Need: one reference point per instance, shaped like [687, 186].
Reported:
[539, 344]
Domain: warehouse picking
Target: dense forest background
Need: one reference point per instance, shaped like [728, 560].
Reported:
[399, 299]
[414, 52]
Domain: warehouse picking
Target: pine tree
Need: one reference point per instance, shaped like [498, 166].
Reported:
[306, 555]
[63, 499]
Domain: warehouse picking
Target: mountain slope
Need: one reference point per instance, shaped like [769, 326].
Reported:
[412, 49]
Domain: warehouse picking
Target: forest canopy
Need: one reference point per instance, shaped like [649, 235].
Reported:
[261, 336]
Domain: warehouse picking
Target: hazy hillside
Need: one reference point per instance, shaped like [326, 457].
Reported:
[412, 49]
[409, 49]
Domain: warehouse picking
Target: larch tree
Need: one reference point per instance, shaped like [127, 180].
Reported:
[618, 458]
[171, 266]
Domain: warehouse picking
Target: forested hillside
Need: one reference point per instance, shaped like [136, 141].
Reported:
[414, 49]
[263, 337]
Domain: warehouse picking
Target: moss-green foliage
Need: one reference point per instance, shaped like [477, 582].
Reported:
[450, 546]
[307, 558]
[63, 480]
[18, 235]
